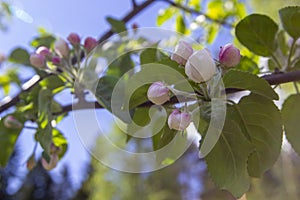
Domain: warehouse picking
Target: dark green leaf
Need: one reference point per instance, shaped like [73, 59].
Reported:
[139, 96]
[227, 162]
[290, 115]
[164, 137]
[257, 32]
[261, 123]
[19, 55]
[244, 80]
[116, 25]
[44, 137]
[149, 55]
[104, 90]
[120, 66]
[289, 17]
[52, 82]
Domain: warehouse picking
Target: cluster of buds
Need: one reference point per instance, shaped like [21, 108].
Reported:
[54, 158]
[158, 93]
[62, 51]
[199, 67]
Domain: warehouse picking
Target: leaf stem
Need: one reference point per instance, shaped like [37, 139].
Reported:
[290, 55]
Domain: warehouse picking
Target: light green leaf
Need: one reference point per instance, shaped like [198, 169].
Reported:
[165, 15]
[180, 24]
[289, 17]
[116, 25]
[290, 116]
[247, 65]
[19, 55]
[120, 66]
[212, 32]
[8, 138]
[260, 121]
[52, 82]
[59, 140]
[257, 32]
[45, 40]
[227, 162]
[246, 81]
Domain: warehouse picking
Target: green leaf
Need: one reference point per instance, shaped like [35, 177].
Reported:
[261, 123]
[257, 32]
[52, 82]
[290, 116]
[19, 55]
[227, 162]
[8, 138]
[180, 24]
[120, 66]
[44, 137]
[59, 140]
[104, 90]
[246, 81]
[289, 17]
[45, 40]
[149, 55]
[139, 96]
[116, 25]
[212, 32]
[282, 43]
[165, 15]
[247, 65]
[164, 137]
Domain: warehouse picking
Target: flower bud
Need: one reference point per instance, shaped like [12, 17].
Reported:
[229, 55]
[52, 163]
[90, 43]
[56, 60]
[61, 48]
[182, 52]
[37, 60]
[74, 39]
[200, 67]
[179, 120]
[31, 162]
[2, 57]
[12, 122]
[158, 93]
[43, 51]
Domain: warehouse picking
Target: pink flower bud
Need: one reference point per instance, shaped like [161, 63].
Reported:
[229, 55]
[182, 52]
[37, 60]
[2, 57]
[56, 60]
[74, 39]
[200, 67]
[52, 163]
[12, 122]
[179, 120]
[90, 43]
[61, 48]
[158, 93]
[31, 162]
[43, 51]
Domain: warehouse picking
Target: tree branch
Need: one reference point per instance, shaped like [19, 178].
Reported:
[272, 79]
[193, 11]
[9, 102]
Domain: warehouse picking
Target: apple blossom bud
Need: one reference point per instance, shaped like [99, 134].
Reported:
[229, 55]
[90, 43]
[158, 93]
[179, 120]
[182, 52]
[52, 163]
[200, 67]
[56, 60]
[37, 60]
[12, 122]
[74, 39]
[43, 51]
[31, 162]
[2, 57]
[61, 48]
